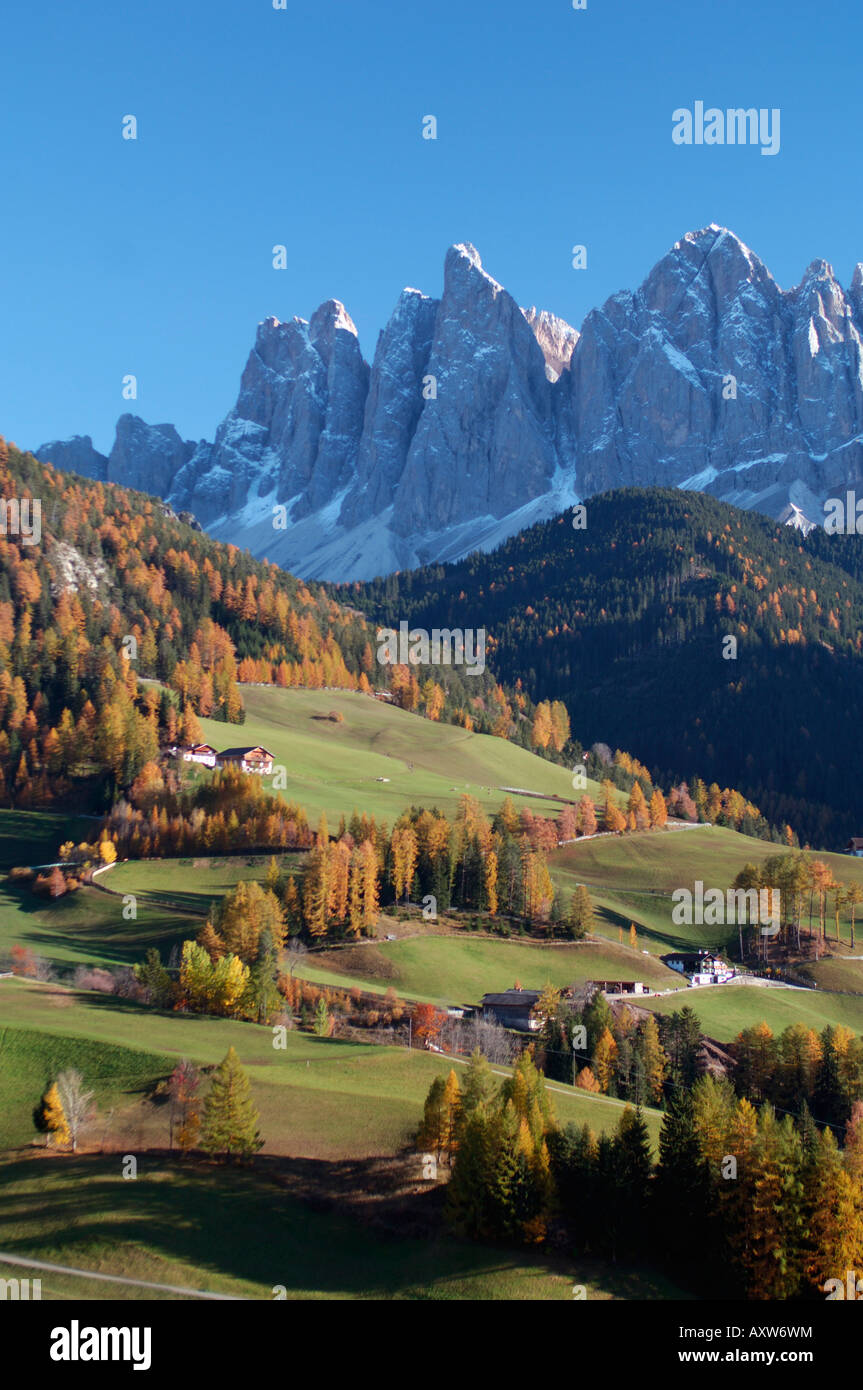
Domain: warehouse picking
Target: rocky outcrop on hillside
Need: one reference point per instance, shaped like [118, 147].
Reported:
[75, 455]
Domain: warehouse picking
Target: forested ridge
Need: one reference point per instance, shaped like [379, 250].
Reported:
[625, 621]
[120, 624]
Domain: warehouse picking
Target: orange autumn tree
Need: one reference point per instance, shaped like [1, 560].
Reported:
[427, 1022]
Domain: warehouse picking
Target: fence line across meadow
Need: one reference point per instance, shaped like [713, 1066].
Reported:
[117, 1279]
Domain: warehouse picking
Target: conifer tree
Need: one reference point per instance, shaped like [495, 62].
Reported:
[854, 1143]
[658, 810]
[586, 816]
[653, 1058]
[714, 1104]
[603, 1063]
[434, 1127]
[155, 979]
[580, 921]
[323, 1024]
[682, 1189]
[478, 1088]
[632, 1168]
[209, 939]
[263, 995]
[230, 1128]
[835, 1215]
[452, 1106]
[586, 1081]
[637, 807]
[478, 1182]
[772, 1253]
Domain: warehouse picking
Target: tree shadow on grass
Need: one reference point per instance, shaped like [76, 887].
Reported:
[223, 1222]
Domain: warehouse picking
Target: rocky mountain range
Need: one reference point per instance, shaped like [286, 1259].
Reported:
[477, 418]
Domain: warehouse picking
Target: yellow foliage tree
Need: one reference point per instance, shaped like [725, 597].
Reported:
[603, 1060]
[54, 1117]
[490, 876]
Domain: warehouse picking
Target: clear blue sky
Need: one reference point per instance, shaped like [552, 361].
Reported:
[303, 127]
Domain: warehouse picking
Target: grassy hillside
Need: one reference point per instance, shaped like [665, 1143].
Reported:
[459, 970]
[190, 884]
[160, 1228]
[725, 1009]
[837, 972]
[631, 878]
[33, 837]
[87, 927]
[335, 767]
[318, 1098]
[30, 1061]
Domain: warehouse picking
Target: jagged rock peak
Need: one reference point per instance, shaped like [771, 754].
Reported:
[819, 269]
[464, 257]
[477, 417]
[469, 251]
[716, 237]
[75, 455]
[330, 317]
[556, 338]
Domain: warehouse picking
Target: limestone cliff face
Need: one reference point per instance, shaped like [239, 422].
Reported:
[75, 455]
[556, 338]
[397, 389]
[477, 417]
[147, 457]
[484, 444]
[710, 376]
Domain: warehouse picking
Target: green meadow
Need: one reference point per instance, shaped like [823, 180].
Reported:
[318, 1097]
[79, 1212]
[87, 927]
[631, 879]
[193, 885]
[335, 767]
[459, 969]
[33, 837]
[724, 1010]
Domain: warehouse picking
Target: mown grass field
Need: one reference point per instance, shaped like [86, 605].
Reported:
[87, 927]
[334, 767]
[725, 1009]
[33, 837]
[193, 885]
[82, 928]
[31, 1060]
[631, 879]
[837, 972]
[459, 969]
[318, 1098]
[236, 1232]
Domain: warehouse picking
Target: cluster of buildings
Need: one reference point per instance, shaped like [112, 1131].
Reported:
[252, 758]
[519, 1008]
[700, 967]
